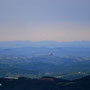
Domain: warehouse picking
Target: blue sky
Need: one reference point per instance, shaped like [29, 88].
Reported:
[51, 20]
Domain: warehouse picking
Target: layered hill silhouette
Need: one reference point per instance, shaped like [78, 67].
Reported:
[44, 83]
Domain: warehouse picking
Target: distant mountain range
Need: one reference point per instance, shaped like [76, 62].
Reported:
[44, 44]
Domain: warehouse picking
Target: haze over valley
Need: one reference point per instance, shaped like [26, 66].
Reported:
[68, 60]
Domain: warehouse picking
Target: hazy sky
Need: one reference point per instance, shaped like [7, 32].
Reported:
[51, 20]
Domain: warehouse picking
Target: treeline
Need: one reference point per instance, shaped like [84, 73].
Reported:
[44, 83]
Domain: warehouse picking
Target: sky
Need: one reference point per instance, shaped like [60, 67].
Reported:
[45, 20]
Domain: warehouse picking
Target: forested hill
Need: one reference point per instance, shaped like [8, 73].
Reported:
[44, 83]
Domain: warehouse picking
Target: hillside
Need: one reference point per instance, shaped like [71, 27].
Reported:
[44, 83]
[61, 67]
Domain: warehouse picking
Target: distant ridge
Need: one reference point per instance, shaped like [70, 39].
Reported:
[44, 44]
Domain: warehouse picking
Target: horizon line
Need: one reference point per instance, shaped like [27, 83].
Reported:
[44, 41]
